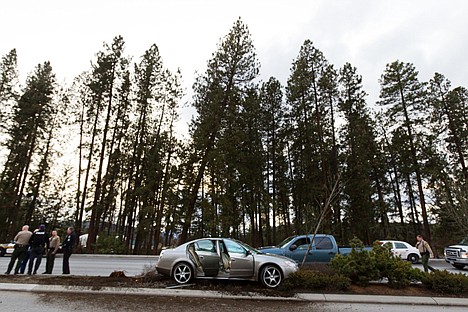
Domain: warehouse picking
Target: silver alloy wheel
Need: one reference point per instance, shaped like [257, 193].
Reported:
[271, 276]
[183, 273]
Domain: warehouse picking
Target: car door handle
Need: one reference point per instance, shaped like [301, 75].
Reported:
[201, 257]
[331, 253]
[233, 260]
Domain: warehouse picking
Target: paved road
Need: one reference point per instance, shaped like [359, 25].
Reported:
[103, 265]
[97, 265]
[22, 301]
[440, 264]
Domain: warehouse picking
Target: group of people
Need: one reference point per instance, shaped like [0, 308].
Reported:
[30, 247]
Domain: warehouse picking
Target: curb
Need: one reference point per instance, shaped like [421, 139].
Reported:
[304, 297]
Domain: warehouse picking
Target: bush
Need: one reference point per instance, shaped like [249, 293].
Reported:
[307, 279]
[446, 282]
[362, 266]
[110, 245]
[359, 265]
[399, 272]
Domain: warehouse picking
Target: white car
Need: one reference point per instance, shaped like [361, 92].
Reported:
[404, 250]
[7, 248]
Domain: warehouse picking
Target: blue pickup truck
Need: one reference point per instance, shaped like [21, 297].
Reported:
[324, 248]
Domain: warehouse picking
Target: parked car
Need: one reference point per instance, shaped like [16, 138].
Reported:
[223, 258]
[7, 248]
[404, 250]
[324, 248]
[457, 255]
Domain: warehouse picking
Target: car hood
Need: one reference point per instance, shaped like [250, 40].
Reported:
[458, 246]
[269, 256]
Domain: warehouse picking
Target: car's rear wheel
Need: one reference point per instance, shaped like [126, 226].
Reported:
[182, 273]
[459, 266]
[413, 258]
[271, 276]
[2, 252]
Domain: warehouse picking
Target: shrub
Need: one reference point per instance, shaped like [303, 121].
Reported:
[359, 265]
[110, 245]
[362, 266]
[307, 279]
[399, 273]
[446, 282]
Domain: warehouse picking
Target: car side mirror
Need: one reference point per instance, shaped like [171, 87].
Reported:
[293, 247]
[248, 253]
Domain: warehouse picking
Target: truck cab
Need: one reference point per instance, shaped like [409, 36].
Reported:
[457, 255]
[323, 249]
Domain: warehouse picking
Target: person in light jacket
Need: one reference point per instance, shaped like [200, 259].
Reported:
[21, 248]
[54, 244]
[426, 252]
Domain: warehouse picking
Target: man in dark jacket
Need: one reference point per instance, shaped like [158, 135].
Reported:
[67, 247]
[38, 242]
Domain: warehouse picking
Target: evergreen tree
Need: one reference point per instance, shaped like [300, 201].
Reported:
[8, 88]
[30, 122]
[359, 152]
[217, 94]
[404, 96]
[310, 94]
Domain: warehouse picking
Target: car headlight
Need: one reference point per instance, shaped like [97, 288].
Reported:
[290, 264]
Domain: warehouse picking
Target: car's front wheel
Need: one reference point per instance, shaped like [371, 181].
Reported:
[271, 276]
[182, 273]
[2, 252]
[413, 258]
[459, 266]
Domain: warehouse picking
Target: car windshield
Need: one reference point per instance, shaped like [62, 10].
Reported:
[285, 242]
[249, 248]
[464, 241]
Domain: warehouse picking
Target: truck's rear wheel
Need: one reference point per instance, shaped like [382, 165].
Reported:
[459, 266]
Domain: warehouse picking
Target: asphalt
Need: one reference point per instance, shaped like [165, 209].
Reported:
[303, 297]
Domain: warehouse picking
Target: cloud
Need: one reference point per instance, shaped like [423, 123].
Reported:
[368, 34]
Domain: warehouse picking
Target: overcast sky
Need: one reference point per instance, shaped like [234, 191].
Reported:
[369, 34]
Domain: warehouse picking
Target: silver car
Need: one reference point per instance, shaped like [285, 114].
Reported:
[223, 258]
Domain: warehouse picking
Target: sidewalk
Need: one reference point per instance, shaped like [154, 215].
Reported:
[307, 297]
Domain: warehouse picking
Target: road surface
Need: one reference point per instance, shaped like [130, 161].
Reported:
[22, 301]
[96, 265]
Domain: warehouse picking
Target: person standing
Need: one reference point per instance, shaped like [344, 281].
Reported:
[425, 251]
[38, 242]
[21, 247]
[54, 244]
[67, 248]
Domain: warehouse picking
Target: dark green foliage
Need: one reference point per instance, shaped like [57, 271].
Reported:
[445, 282]
[224, 96]
[362, 266]
[110, 245]
[310, 280]
[27, 133]
[359, 265]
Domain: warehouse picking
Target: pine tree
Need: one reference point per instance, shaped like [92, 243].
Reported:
[30, 123]
[310, 94]
[273, 115]
[217, 93]
[8, 88]
[359, 150]
[404, 96]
